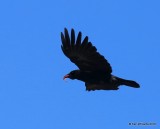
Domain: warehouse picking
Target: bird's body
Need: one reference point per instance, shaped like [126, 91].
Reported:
[94, 69]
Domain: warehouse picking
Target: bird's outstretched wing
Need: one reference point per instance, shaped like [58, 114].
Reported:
[83, 53]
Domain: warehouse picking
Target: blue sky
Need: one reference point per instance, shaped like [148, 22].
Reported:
[32, 92]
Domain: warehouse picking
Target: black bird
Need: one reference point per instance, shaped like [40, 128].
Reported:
[94, 69]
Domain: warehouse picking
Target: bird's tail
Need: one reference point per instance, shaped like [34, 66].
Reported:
[128, 83]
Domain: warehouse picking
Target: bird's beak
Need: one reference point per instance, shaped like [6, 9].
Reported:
[66, 76]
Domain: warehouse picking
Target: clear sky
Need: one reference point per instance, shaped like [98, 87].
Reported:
[32, 65]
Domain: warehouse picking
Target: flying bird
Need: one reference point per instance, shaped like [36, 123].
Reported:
[94, 69]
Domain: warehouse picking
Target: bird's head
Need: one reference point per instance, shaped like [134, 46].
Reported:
[72, 75]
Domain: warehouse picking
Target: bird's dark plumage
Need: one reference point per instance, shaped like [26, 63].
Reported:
[94, 69]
